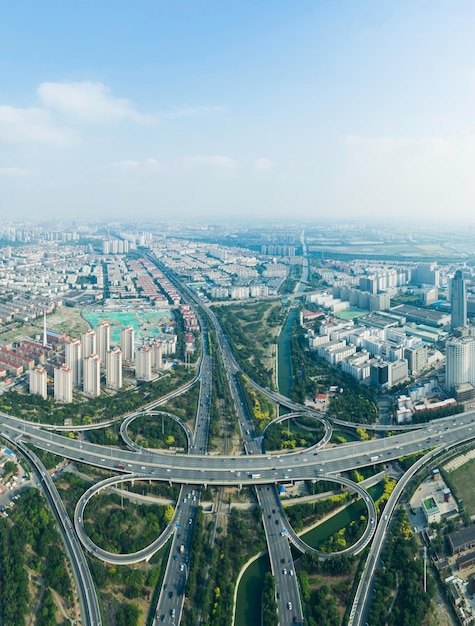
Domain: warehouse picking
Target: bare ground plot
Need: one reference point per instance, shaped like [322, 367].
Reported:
[64, 320]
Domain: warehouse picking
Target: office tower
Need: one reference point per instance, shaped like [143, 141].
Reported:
[103, 341]
[460, 362]
[92, 376]
[458, 301]
[88, 341]
[157, 356]
[63, 384]
[114, 369]
[38, 381]
[143, 364]
[73, 358]
[128, 343]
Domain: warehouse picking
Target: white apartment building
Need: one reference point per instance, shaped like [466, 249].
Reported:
[63, 384]
[92, 376]
[143, 364]
[114, 368]
[89, 343]
[128, 343]
[38, 381]
[73, 358]
[157, 361]
[168, 343]
[103, 341]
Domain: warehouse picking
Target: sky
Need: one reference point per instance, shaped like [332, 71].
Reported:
[185, 110]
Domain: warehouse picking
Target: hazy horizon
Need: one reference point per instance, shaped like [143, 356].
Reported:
[231, 111]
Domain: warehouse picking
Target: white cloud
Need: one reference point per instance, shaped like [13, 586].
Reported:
[218, 161]
[130, 165]
[150, 164]
[14, 172]
[127, 164]
[90, 102]
[33, 125]
[263, 164]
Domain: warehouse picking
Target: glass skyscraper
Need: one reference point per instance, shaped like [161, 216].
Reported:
[458, 301]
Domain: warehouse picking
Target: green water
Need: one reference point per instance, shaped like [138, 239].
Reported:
[249, 597]
[146, 323]
[320, 534]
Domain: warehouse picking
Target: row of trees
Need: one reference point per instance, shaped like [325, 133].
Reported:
[320, 602]
[211, 593]
[37, 409]
[399, 596]
[28, 538]
[269, 605]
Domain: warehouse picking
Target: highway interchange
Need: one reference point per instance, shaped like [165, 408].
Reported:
[197, 469]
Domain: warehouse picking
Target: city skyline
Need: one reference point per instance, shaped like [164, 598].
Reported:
[234, 111]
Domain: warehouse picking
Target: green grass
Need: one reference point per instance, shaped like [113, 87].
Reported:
[464, 485]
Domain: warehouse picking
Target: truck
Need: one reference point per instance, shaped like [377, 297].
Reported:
[254, 475]
[374, 458]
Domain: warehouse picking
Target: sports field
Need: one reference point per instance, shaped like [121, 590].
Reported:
[350, 314]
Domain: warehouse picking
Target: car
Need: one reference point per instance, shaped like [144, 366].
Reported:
[295, 620]
[168, 469]
[190, 521]
[291, 572]
[170, 594]
[284, 571]
[289, 605]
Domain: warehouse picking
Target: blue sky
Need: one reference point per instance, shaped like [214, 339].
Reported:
[226, 109]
